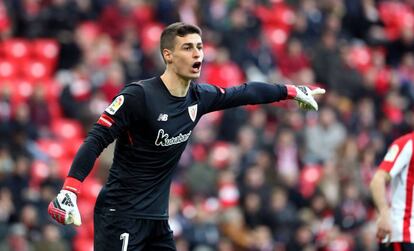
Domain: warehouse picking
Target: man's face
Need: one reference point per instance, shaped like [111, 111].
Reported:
[186, 57]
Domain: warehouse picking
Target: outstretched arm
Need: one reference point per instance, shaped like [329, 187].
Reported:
[251, 93]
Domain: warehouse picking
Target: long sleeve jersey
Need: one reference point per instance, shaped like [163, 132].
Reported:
[152, 128]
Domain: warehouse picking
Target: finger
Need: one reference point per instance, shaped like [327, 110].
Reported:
[388, 241]
[389, 238]
[76, 218]
[68, 219]
[379, 236]
[318, 91]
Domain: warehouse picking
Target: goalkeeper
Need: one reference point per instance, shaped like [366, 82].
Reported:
[152, 121]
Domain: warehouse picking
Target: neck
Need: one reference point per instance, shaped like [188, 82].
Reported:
[175, 84]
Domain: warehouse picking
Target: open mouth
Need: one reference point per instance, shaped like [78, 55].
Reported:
[197, 66]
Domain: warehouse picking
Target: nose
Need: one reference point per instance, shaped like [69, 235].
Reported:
[197, 53]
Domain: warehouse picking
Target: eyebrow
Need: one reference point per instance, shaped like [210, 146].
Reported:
[191, 44]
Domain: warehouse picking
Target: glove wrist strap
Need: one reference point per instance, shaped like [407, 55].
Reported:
[291, 91]
[72, 184]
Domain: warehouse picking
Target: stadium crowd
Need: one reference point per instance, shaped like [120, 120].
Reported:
[257, 178]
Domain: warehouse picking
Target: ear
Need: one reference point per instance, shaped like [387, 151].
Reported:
[167, 55]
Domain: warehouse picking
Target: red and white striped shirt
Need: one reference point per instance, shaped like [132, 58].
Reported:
[399, 163]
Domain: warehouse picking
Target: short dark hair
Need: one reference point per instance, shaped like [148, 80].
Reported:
[167, 40]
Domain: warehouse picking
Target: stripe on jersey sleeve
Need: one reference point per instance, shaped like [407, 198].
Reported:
[105, 120]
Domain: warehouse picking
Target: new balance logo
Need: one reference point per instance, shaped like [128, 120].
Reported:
[162, 117]
[67, 201]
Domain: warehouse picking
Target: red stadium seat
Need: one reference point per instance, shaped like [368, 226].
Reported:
[16, 49]
[55, 110]
[36, 70]
[8, 69]
[72, 145]
[223, 75]
[22, 90]
[67, 129]
[64, 165]
[90, 189]
[46, 50]
[150, 36]
[39, 172]
[52, 148]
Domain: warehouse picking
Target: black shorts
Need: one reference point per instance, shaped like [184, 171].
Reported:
[397, 246]
[115, 233]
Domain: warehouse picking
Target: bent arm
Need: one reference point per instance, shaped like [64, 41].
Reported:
[114, 121]
[97, 140]
[378, 190]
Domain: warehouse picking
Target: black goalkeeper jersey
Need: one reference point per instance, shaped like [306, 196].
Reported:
[152, 128]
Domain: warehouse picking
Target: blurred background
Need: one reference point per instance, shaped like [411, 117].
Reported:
[255, 178]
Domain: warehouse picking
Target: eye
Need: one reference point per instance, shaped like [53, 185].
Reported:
[187, 48]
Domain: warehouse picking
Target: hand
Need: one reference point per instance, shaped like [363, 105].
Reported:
[304, 96]
[64, 209]
[384, 227]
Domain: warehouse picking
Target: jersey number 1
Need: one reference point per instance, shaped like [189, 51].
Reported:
[125, 238]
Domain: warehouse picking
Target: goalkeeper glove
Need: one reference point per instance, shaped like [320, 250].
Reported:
[64, 208]
[304, 96]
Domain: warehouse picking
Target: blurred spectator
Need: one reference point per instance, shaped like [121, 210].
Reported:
[287, 154]
[243, 30]
[201, 178]
[18, 182]
[188, 11]
[29, 216]
[401, 46]
[6, 162]
[51, 240]
[116, 17]
[233, 226]
[351, 212]
[203, 233]
[303, 239]
[16, 239]
[294, 59]
[114, 82]
[28, 18]
[263, 239]
[281, 216]
[39, 112]
[7, 210]
[253, 210]
[324, 138]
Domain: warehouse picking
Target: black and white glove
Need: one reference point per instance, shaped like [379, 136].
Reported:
[304, 95]
[64, 208]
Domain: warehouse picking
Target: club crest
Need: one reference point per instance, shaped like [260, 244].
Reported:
[192, 111]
